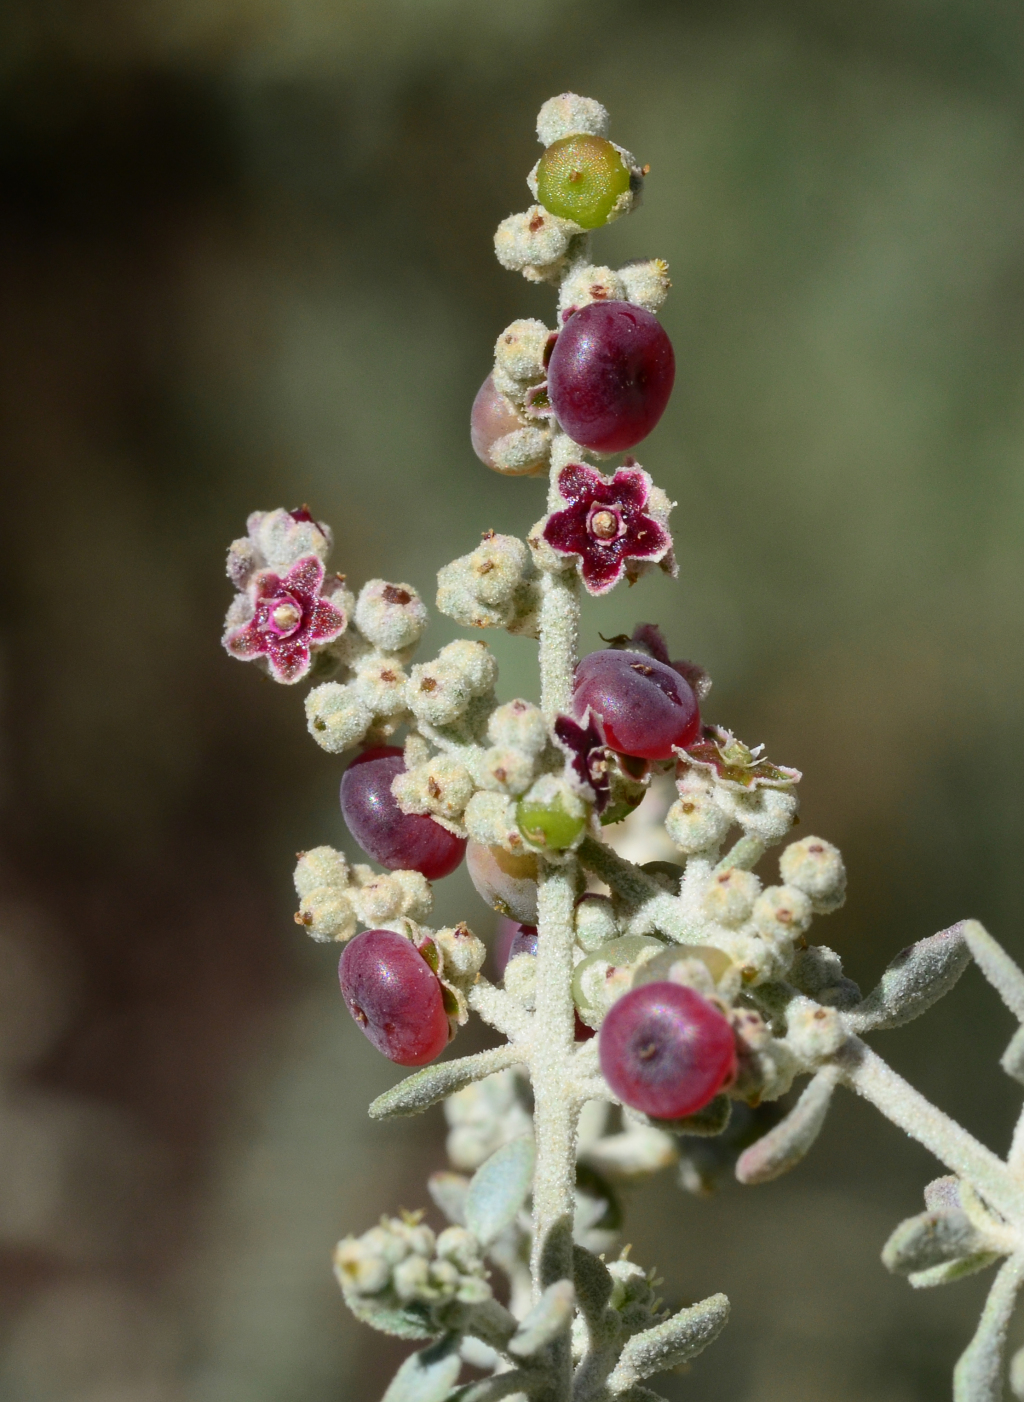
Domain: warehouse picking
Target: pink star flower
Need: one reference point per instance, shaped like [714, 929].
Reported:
[290, 617]
[605, 523]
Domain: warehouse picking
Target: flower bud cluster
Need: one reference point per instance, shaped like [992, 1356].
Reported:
[334, 898]
[494, 586]
[484, 1116]
[275, 540]
[401, 1262]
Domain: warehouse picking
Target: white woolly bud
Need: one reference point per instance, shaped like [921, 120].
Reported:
[570, 115]
[520, 724]
[327, 914]
[594, 922]
[321, 866]
[695, 822]
[278, 539]
[520, 350]
[463, 953]
[758, 960]
[520, 979]
[439, 692]
[816, 868]
[337, 717]
[534, 243]
[646, 283]
[813, 1032]
[392, 616]
[586, 285]
[491, 586]
[380, 897]
[490, 819]
[380, 683]
[442, 785]
[764, 813]
[782, 913]
[523, 452]
[730, 896]
[505, 769]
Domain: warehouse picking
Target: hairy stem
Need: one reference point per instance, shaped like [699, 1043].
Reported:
[866, 1073]
[559, 641]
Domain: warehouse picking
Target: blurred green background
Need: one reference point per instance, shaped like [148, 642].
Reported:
[245, 261]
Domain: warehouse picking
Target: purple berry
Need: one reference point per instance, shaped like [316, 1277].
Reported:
[400, 841]
[646, 707]
[610, 375]
[394, 996]
[665, 1050]
[524, 941]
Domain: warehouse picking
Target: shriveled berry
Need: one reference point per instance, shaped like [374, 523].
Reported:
[666, 1051]
[549, 824]
[610, 375]
[582, 178]
[394, 997]
[400, 841]
[646, 707]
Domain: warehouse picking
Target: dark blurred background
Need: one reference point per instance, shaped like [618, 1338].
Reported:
[245, 261]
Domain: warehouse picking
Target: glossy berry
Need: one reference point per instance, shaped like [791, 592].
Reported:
[645, 706]
[666, 1051]
[400, 841]
[610, 375]
[394, 996]
[491, 418]
[507, 881]
[582, 178]
[549, 824]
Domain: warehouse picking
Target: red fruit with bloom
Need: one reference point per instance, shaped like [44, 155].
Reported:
[290, 619]
[666, 1051]
[605, 523]
[394, 997]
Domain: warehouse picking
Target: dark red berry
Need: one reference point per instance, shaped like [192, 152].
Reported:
[610, 375]
[400, 841]
[524, 941]
[394, 996]
[645, 706]
[665, 1050]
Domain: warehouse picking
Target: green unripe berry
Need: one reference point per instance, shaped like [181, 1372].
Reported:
[549, 824]
[582, 178]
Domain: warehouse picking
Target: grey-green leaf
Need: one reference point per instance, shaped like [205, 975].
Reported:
[550, 1317]
[918, 977]
[499, 1188]
[425, 1088]
[997, 966]
[667, 1345]
[930, 1239]
[448, 1191]
[427, 1376]
[410, 1322]
[783, 1147]
[978, 1376]
[952, 1270]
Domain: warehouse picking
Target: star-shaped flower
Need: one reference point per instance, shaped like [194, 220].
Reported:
[288, 618]
[605, 523]
[586, 756]
[734, 763]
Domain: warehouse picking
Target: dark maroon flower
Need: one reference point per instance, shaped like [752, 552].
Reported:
[290, 617]
[605, 523]
[735, 764]
[586, 756]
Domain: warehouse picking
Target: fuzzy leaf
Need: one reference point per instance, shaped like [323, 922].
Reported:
[499, 1187]
[997, 966]
[427, 1376]
[978, 1376]
[930, 1239]
[493, 1389]
[550, 1317]
[952, 1270]
[425, 1088]
[593, 1283]
[667, 1345]
[410, 1322]
[783, 1147]
[448, 1191]
[916, 978]
[712, 1120]
[1012, 1060]
[1017, 1374]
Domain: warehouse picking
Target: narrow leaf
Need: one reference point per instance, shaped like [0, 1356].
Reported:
[425, 1088]
[448, 1191]
[952, 1270]
[667, 1345]
[978, 1376]
[499, 1187]
[930, 1239]
[493, 1389]
[916, 978]
[427, 1376]
[997, 966]
[593, 1283]
[1017, 1374]
[404, 1322]
[550, 1317]
[1012, 1060]
[783, 1147]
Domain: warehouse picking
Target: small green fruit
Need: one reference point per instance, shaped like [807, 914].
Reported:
[549, 825]
[582, 178]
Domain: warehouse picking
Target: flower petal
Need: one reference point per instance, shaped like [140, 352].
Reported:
[289, 659]
[305, 578]
[578, 482]
[326, 622]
